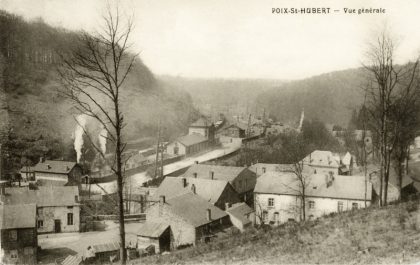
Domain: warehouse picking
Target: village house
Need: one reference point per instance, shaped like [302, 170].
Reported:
[278, 196]
[326, 162]
[241, 178]
[191, 219]
[241, 215]
[155, 234]
[187, 145]
[217, 192]
[57, 173]
[19, 243]
[58, 208]
[261, 168]
[204, 128]
[233, 130]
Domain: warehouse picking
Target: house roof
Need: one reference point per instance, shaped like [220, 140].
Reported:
[151, 229]
[191, 139]
[43, 197]
[257, 168]
[17, 216]
[208, 189]
[55, 166]
[342, 187]
[322, 158]
[106, 247]
[239, 211]
[193, 209]
[227, 173]
[72, 260]
[201, 122]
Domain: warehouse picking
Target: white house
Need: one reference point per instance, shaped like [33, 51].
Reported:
[324, 162]
[278, 196]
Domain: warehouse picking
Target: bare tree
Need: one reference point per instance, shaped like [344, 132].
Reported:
[93, 76]
[386, 80]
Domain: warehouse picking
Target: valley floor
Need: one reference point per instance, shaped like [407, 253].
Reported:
[389, 235]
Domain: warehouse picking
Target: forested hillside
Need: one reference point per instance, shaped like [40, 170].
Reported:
[37, 120]
[330, 97]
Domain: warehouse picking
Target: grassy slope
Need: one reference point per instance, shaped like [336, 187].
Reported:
[360, 237]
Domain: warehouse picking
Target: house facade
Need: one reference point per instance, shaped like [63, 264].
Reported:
[278, 196]
[204, 128]
[57, 208]
[57, 173]
[19, 243]
[191, 218]
[261, 168]
[241, 178]
[321, 162]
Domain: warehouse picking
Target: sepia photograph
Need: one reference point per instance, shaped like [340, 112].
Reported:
[209, 132]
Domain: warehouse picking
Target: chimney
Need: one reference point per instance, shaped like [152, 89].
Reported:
[196, 162]
[195, 174]
[211, 173]
[184, 182]
[208, 215]
[161, 199]
[41, 159]
[48, 166]
[193, 188]
[227, 205]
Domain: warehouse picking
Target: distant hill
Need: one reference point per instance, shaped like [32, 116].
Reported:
[228, 96]
[36, 120]
[328, 97]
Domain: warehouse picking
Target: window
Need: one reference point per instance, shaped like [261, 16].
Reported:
[354, 205]
[40, 223]
[311, 205]
[13, 254]
[270, 202]
[40, 211]
[276, 217]
[13, 235]
[69, 207]
[263, 169]
[70, 219]
[340, 206]
[264, 216]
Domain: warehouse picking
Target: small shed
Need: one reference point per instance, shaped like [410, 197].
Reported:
[241, 215]
[72, 260]
[157, 234]
[107, 252]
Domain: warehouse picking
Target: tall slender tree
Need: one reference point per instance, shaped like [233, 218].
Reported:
[93, 76]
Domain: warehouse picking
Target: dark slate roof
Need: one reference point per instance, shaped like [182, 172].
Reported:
[55, 166]
[44, 196]
[193, 209]
[17, 216]
[227, 173]
[343, 187]
[208, 189]
[201, 122]
[191, 139]
[150, 229]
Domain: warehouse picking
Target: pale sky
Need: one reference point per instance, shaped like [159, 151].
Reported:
[242, 39]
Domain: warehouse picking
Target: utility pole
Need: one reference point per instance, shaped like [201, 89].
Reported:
[161, 157]
[157, 149]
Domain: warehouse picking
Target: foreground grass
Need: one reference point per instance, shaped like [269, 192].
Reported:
[389, 235]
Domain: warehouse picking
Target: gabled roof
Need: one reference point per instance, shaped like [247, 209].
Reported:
[342, 187]
[239, 126]
[191, 139]
[55, 166]
[150, 229]
[227, 173]
[193, 209]
[239, 211]
[43, 197]
[208, 189]
[201, 122]
[106, 247]
[17, 216]
[322, 158]
[257, 168]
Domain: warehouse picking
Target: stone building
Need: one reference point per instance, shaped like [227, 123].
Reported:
[19, 243]
[57, 173]
[278, 196]
[58, 208]
[191, 219]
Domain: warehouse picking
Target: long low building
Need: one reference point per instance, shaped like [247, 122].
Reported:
[278, 196]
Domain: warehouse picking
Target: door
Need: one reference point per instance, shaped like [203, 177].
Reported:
[57, 226]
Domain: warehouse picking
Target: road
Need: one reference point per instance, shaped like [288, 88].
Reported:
[138, 179]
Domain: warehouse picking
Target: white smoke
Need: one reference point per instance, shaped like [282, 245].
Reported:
[302, 116]
[78, 135]
[102, 139]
